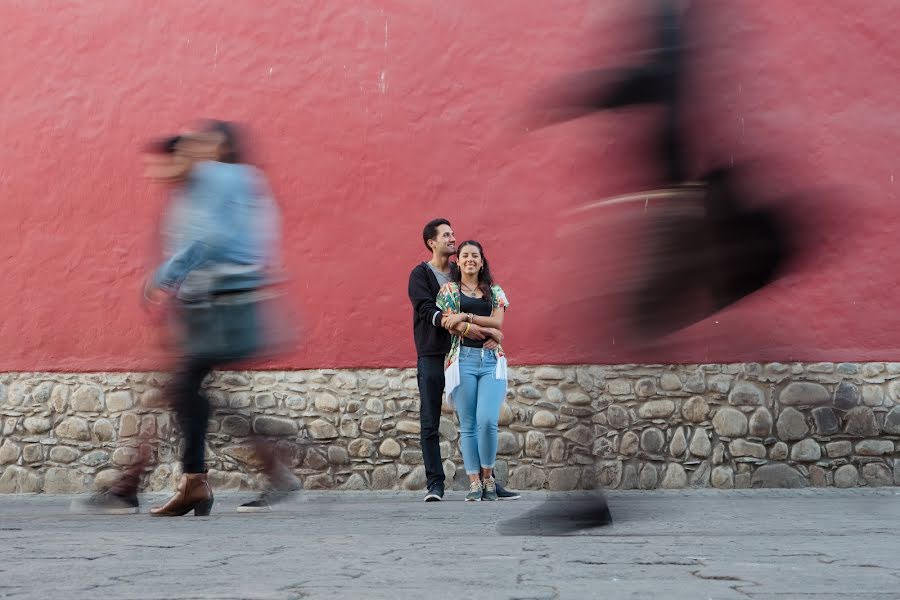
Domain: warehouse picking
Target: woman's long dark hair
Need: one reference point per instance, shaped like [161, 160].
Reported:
[485, 279]
[232, 140]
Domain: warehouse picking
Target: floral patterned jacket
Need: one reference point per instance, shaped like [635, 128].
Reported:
[448, 300]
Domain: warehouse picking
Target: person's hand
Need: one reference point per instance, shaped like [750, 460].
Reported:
[153, 294]
[476, 333]
[494, 338]
[494, 334]
[450, 320]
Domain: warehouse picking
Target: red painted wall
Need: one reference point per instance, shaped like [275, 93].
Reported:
[370, 117]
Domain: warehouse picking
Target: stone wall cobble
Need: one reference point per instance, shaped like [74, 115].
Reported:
[561, 428]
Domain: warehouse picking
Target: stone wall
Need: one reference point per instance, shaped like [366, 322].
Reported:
[622, 426]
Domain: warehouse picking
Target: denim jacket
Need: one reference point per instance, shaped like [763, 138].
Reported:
[222, 232]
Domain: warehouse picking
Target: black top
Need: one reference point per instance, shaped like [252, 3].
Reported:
[431, 339]
[477, 306]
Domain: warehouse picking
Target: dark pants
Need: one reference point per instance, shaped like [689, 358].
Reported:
[192, 411]
[430, 374]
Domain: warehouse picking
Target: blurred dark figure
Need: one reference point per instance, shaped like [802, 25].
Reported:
[711, 247]
[220, 240]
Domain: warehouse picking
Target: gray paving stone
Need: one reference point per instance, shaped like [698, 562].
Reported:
[817, 543]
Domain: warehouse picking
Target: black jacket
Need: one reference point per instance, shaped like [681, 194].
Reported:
[431, 338]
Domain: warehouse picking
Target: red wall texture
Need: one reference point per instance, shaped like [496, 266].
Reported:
[370, 117]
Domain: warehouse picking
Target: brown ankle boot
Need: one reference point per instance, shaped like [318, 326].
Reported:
[193, 494]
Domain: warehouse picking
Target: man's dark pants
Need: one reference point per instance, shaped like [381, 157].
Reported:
[430, 374]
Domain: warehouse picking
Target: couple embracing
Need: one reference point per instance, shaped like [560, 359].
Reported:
[457, 325]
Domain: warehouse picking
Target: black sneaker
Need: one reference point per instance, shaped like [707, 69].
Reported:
[435, 493]
[107, 502]
[265, 501]
[505, 494]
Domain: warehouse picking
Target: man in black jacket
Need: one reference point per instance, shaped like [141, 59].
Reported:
[432, 345]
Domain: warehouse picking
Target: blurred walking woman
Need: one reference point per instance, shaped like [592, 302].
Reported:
[226, 248]
[475, 368]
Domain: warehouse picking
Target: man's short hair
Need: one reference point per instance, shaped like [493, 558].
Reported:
[431, 230]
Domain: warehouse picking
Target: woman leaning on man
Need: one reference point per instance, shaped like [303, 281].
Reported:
[475, 369]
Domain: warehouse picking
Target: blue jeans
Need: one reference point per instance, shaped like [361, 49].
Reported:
[478, 399]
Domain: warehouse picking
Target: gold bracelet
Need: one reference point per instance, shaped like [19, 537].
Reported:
[466, 332]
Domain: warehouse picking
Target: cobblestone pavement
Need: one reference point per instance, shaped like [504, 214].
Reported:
[691, 544]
